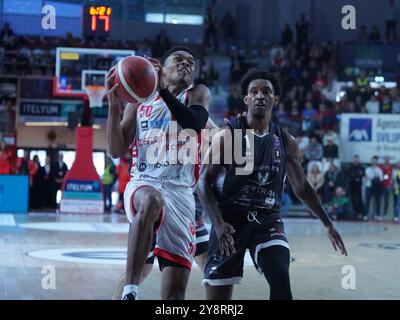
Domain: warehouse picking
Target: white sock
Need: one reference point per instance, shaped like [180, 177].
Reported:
[131, 288]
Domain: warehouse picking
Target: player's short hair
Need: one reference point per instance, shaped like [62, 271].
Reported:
[255, 74]
[172, 50]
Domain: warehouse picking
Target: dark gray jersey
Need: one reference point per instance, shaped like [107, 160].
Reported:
[262, 189]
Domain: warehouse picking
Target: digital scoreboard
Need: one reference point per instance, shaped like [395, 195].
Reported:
[96, 20]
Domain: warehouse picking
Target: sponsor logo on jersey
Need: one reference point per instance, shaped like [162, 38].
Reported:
[144, 125]
[275, 141]
[159, 123]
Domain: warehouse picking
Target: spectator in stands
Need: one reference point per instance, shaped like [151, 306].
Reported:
[396, 105]
[375, 35]
[331, 150]
[387, 184]
[5, 159]
[235, 101]
[6, 33]
[339, 206]
[228, 27]
[330, 179]
[386, 105]
[60, 170]
[145, 49]
[109, 178]
[373, 188]
[314, 150]
[303, 142]
[161, 44]
[356, 174]
[391, 22]
[286, 35]
[372, 105]
[309, 114]
[210, 29]
[276, 51]
[396, 179]
[295, 118]
[23, 164]
[316, 178]
[362, 82]
[212, 75]
[236, 71]
[302, 30]
[282, 116]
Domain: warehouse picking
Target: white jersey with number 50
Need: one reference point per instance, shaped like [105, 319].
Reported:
[158, 156]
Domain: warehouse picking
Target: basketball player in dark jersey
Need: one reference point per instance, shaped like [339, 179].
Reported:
[245, 212]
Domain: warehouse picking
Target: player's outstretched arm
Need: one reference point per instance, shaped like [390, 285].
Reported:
[120, 134]
[205, 192]
[306, 193]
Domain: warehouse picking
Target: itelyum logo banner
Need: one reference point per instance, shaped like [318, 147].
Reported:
[360, 130]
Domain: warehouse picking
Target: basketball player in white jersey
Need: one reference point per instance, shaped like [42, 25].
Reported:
[159, 197]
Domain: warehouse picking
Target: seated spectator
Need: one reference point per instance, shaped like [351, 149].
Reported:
[396, 105]
[339, 206]
[309, 115]
[331, 150]
[316, 178]
[372, 105]
[281, 115]
[386, 105]
[303, 142]
[325, 118]
[330, 179]
[276, 51]
[314, 150]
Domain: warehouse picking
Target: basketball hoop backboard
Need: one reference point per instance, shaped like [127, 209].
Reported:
[77, 68]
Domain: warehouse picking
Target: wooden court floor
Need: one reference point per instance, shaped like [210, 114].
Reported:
[54, 256]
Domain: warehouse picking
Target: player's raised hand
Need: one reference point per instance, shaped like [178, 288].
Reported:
[113, 100]
[224, 233]
[239, 115]
[336, 240]
[157, 65]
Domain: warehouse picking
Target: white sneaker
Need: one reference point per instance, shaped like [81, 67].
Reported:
[396, 220]
[378, 218]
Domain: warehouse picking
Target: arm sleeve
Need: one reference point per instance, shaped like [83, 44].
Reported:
[194, 117]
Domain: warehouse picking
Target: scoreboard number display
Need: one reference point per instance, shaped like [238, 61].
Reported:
[97, 20]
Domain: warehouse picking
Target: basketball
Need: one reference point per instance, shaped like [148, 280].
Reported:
[137, 79]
